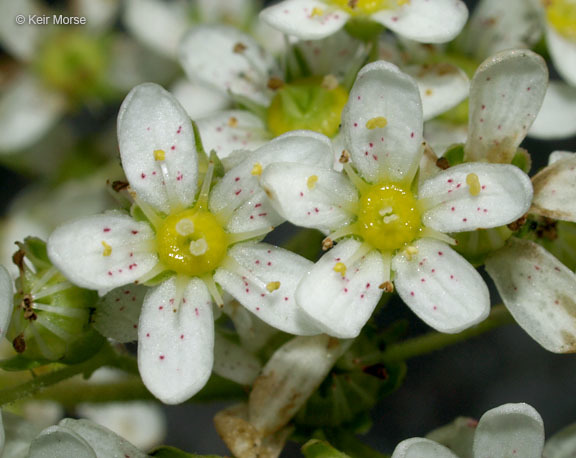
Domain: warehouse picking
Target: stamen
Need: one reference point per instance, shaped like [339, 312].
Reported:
[440, 236]
[202, 202]
[342, 232]
[107, 249]
[257, 169]
[52, 290]
[233, 122]
[155, 271]
[362, 250]
[64, 311]
[376, 123]
[241, 236]
[53, 328]
[329, 83]
[344, 157]
[410, 252]
[185, 227]
[198, 247]
[213, 290]
[358, 182]
[311, 182]
[327, 243]
[341, 268]
[45, 278]
[148, 211]
[159, 155]
[173, 200]
[273, 286]
[44, 349]
[473, 184]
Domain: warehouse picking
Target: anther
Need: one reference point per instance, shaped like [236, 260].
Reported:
[239, 48]
[377, 122]
[442, 163]
[272, 286]
[329, 83]
[185, 227]
[198, 247]
[387, 286]
[344, 157]
[473, 184]
[159, 155]
[340, 267]
[327, 243]
[107, 249]
[257, 169]
[410, 251]
[317, 12]
[311, 182]
[232, 121]
[275, 83]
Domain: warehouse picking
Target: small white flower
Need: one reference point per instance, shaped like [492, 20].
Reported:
[508, 430]
[192, 233]
[394, 227]
[436, 21]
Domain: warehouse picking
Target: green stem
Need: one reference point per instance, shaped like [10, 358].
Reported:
[435, 341]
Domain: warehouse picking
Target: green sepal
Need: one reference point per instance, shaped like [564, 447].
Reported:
[349, 443]
[364, 29]
[83, 348]
[166, 451]
[315, 448]
[296, 64]
[218, 166]
[557, 237]
[454, 154]
[36, 252]
[476, 245]
[522, 160]
[243, 102]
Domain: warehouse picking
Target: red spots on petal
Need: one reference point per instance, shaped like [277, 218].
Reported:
[161, 307]
[433, 270]
[286, 299]
[106, 229]
[345, 290]
[301, 194]
[556, 269]
[355, 124]
[179, 177]
[142, 175]
[132, 266]
[557, 302]
[359, 97]
[440, 253]
[423, 280]
[262, 214]
[366, 153]
[257, 309]
[196, 311]
[371, 145]
[412, 293]
[173, 147]
[161, 357]
[537, 267]
[268, 263]
[451, 277]
[134, 232]
[127, 291]
[395, 19]
[179, 129]
[483, 187]
[464, 219]
[251, 216]
[181, 336]
[488, 78]
[528, 88]
[237, 179]
[411, 134]
[450, 180]
[110, 273]
[257, 205]
[238, 192]
[268, 251]
[147, 334]
[135, 326]
[483, 107]
[367, 285]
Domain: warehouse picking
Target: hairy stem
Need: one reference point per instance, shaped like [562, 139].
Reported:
[433, 341]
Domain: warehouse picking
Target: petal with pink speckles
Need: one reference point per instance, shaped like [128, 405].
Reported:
[340, 305]
[425, 21]
[118, 312]
[500, 194]
[176, 339]
[419, 447]
[238, 197]
[310, 196]
[305, 19]
[228, 60]
[555, 190]
[539, 291]
[563, 53]
[382, 123]
[441, 287]
[103, 251]
[510, 430]
[557, 116]
[506, 93]
[157, 148]
[264, 278]
[228, 131]
[6, 300]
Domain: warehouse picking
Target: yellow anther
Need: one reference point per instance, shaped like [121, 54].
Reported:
[340, 267]
[107, 249]
[329, 82]
[159, 155]
[473, 184]
[317, 12]
[410, 251]
[428, 92]
[257, 169]
[272, 286]
[311, 182]
[377, 122]
[233, 122]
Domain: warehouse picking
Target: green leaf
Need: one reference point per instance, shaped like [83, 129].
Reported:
[315, 448]
[165, 451]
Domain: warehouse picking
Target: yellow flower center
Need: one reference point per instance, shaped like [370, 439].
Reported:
[308, 103]
[366, 7]
[389, 216]
[192, 242]
[561, 15]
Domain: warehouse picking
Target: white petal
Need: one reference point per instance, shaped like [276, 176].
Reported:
[210, 56]
[393, 151]
[227, 131]
[6, 300]
[441, 86]
[323, 204]
[505, 95]
[563, 53]
[199, 100]
[305, 19]
[152, 120]
[104, 442]
[117, 313]
[234, 362]
[562, 444]
[341, 305]
[510, 430]
[103, 251]
[556, 156]
[21, 40]
[158, 24]
[495, 26]
[27, 112]
[539, 291]
[440, 135]
[505, 195]
[557, 117]
[262, 265]
[441, 287]
[555, 190]
[458, 436]
[18, 433]
[60, 441]
[176, 339]
[140, 422]
[291, 375]
[239, 194]
[426, 21]
[237, 12]
[418, 447]
[99, 14]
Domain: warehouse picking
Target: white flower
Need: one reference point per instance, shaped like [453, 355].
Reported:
[436, 21]
[394, 227]
[193, 234]
[535, 286]
[508, 430]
